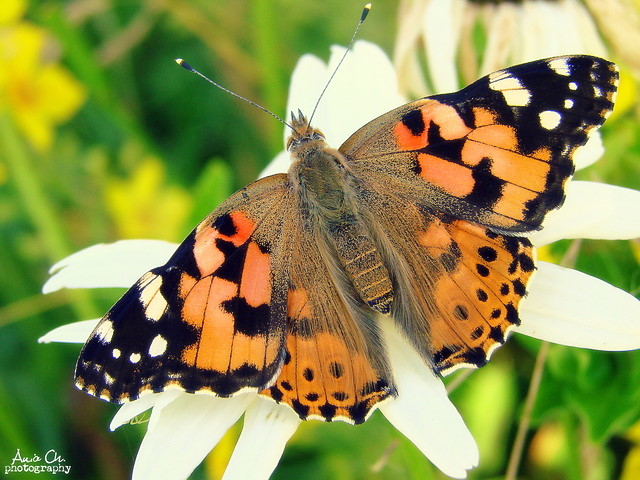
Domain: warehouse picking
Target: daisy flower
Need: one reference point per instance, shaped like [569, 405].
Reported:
[445, 34]
[564, 306]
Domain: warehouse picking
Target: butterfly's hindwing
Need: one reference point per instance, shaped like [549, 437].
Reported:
[335, 366]
[458, 285]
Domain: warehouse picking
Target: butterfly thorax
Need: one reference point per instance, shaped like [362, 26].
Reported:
[328, 192]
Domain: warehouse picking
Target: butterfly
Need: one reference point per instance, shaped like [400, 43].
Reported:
[419, 218]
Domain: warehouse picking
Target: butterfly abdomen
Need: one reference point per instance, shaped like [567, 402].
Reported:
[326, 190]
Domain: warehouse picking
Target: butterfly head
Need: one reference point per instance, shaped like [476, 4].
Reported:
[302, 132]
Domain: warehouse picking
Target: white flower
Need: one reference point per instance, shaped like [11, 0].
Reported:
[564, 306]
[445, 33]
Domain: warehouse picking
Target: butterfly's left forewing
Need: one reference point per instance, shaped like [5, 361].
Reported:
[211, 320]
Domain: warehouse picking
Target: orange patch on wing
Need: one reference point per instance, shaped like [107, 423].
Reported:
[508, 165]
[203, 309]
[187, 282]
[445, 116]
[207, 255]
[435, 238]
[323, 371]
[255, 285]
[512, 201]
[244, 228]
[452, 178]
[407, 140]
[248, 350]
[501, 136]
[483, 116]
[542, 154]
[298, 305]
[472, 307]
[451, 124]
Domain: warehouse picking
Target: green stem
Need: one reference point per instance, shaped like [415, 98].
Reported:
[268, 54]
[34, 202]
[525, 421]
[32, 198]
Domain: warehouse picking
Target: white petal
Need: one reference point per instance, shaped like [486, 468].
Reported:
[156, 400]
[423, 412]
[505, 33]
[440, 42]
[183, 432]
[593, 210]
[571, 308]
[280, 164]
[590, 152]
[548, 31]
[586, 25]
[307, 81]
[405, 55]
[76, 332]
[364, 88]
[267, 428]
[117, 264]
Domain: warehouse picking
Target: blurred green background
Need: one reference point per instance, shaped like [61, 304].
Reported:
[103, 137]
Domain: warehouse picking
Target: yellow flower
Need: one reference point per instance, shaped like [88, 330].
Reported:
[631, 467]
[38, 94]
[12, 10]
[144, 206]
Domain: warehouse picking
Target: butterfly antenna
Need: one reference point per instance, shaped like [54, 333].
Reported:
[186, 66]
[365, 12]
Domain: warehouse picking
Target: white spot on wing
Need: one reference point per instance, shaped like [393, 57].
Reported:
[146, 279]
[517, 98]
[560, 66]
[134, 358]
[158, 346]
[549, 119]
[568, 103]
[504, 82]
[104, 331]
[573, 86]
[116, 353]
[155, 303]
[108, 379]
[511, 88]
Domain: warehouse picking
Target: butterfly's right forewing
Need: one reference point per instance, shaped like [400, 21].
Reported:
[499, 151]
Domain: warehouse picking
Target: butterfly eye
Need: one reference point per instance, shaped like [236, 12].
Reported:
[297, 139]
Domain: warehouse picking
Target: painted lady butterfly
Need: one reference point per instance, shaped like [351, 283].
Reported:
[418, 219]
